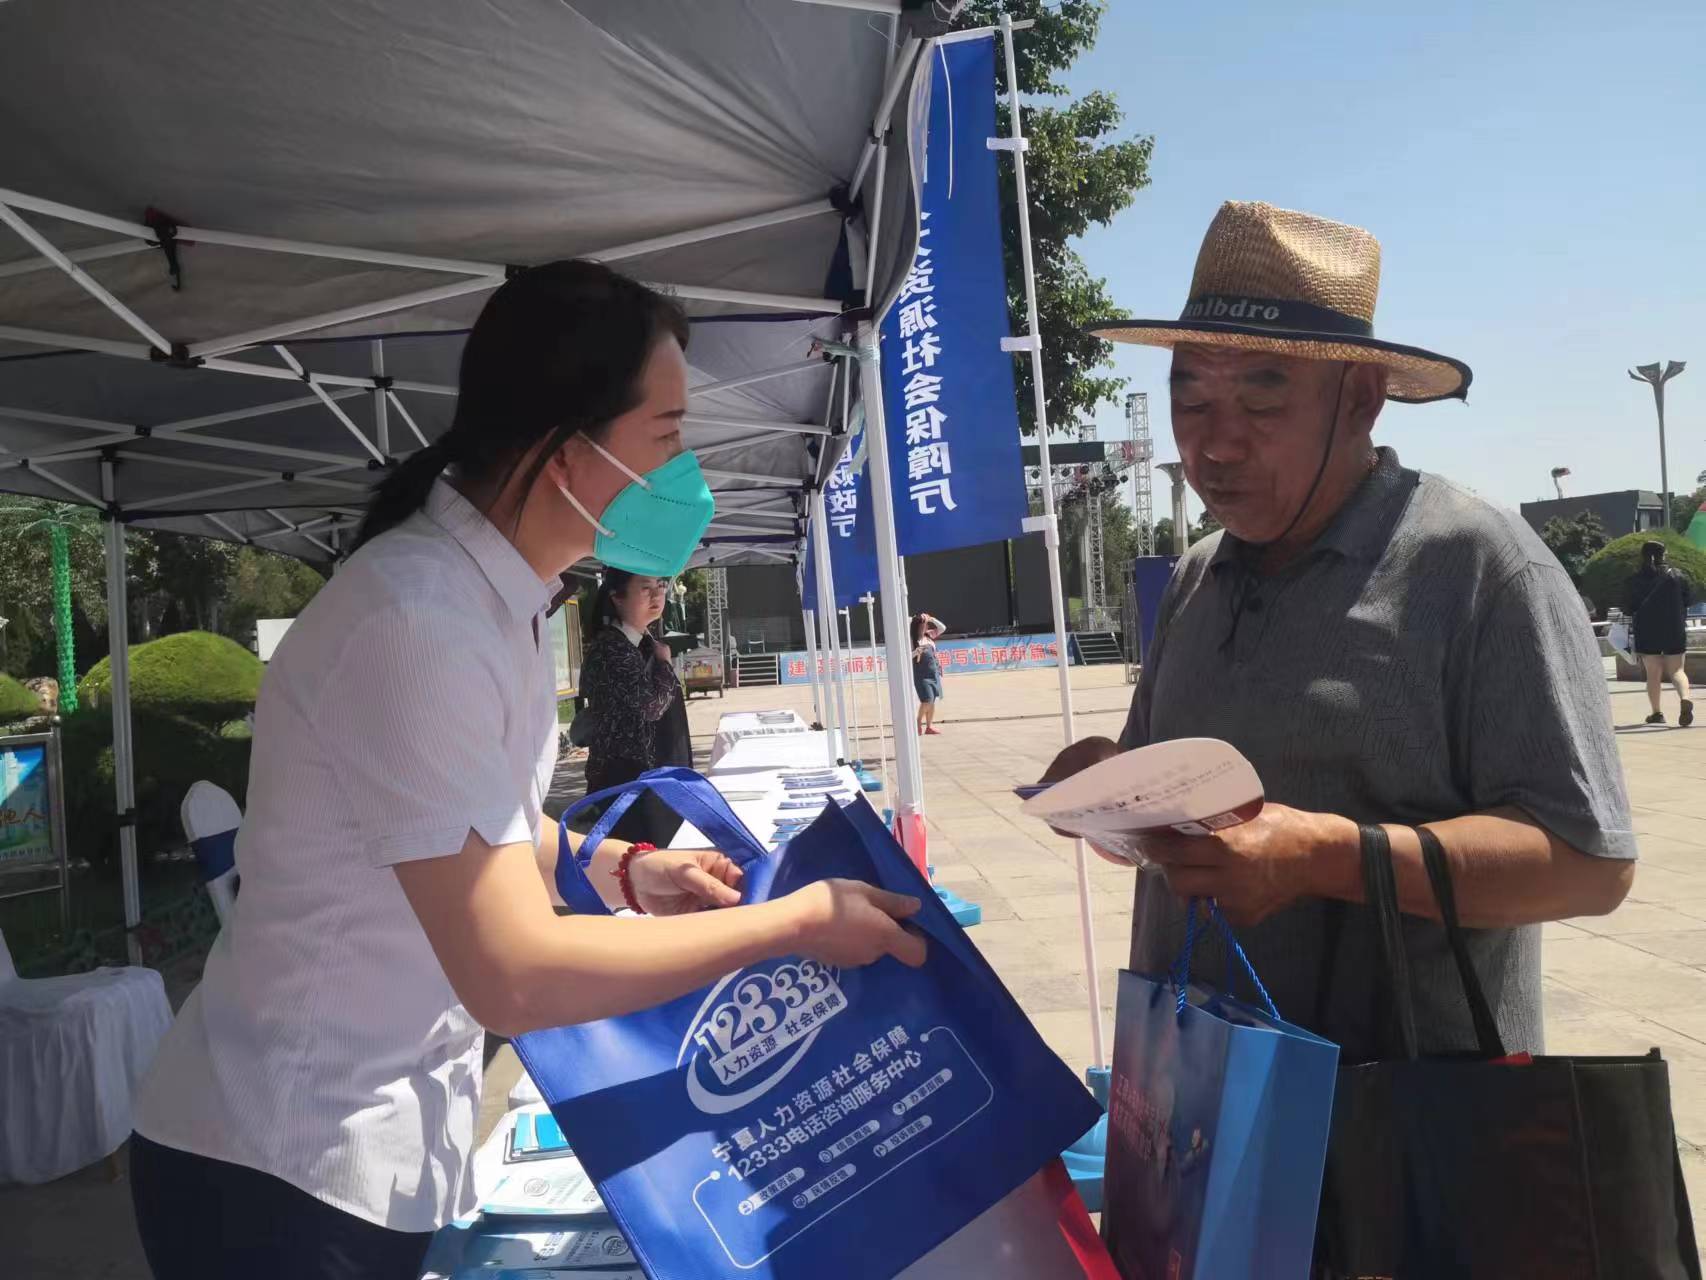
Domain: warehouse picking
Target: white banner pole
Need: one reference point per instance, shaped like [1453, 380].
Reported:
[877, 692]
[1049, 524]
[812, 663]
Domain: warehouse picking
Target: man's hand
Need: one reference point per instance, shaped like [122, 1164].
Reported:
[1262, 866]
[1079, 757]
[1075, 759]
[673, 882]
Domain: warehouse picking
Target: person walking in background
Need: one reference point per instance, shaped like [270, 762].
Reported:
[1656, 601]
[926, 670]
[639, 716]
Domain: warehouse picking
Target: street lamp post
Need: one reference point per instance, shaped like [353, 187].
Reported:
[1651, 373]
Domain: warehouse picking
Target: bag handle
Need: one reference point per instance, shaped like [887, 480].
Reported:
[692, 798]
[1380, 886]
[1480, 1011]
[1180, 974]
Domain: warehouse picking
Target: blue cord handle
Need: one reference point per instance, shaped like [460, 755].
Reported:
[693, 799]
[1180, 974]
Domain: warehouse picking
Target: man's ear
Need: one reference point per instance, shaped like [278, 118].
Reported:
[1365, 394]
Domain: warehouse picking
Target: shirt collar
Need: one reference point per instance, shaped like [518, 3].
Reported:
[634, 637]
[510, 575]
[1364, 524]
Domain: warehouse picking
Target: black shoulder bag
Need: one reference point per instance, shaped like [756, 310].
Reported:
[1481, 1166]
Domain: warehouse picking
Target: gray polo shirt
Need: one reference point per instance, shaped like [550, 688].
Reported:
[1426, 658]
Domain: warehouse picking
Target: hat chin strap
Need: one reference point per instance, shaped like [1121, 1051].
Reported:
[1320, 471]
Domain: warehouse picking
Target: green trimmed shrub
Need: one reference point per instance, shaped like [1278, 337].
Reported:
[16, 702]
[195, 674]
[171, 753]
[1607, 574]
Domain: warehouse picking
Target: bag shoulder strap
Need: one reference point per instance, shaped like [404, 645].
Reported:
[1480, 1011]
[1380, 886]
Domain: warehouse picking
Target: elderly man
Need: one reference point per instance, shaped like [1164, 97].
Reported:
[1385, 647]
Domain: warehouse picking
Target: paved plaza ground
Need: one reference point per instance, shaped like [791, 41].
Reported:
[1621, 984]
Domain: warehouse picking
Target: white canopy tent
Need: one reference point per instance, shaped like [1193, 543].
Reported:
[205, 198]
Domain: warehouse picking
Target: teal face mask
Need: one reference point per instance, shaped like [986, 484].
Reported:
[654, 524]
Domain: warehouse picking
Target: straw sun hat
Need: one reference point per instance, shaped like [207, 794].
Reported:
[1271, 279]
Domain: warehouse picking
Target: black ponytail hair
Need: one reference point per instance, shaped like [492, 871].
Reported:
[557, 350]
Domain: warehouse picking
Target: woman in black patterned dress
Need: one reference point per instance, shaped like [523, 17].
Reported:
[634, 698]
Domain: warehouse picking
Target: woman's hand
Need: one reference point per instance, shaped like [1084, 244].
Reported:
[662, 651]
[847, 923]
[673, 882]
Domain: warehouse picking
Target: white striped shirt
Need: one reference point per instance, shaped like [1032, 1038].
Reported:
[410, 703]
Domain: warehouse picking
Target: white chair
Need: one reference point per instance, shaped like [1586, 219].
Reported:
[72, 1051]
[211, 818]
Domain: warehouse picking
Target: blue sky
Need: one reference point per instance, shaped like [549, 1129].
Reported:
[1535, 172]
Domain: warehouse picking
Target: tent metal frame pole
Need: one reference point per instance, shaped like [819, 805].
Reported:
[234, 469]
[856, 751]
[120, 433]
[753, 424]
[721, 526]
[76, 342]
[747, 379]
[909, 768]
[81, 278]
[810, 616]
[304, 527]
[819, 545]
[877, 692]
[320, 476]
[297, 529]
[217, 523]
[753, 477]
[76, 491]
[1050, 524]
[788, 517]
[98, 253]
[381, 415]
[415, 261]
[748, 298]
[407, 417]
[750, 550]
[124, 752]
[325, 398]
[273, 333]
[714, 231]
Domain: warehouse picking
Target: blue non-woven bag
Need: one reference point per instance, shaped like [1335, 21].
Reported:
[1218, 1117]
[794, 1120]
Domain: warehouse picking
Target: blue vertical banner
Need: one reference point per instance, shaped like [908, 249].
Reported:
[852, 543]
[948, 394]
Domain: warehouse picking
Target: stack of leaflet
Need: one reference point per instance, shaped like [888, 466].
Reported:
[805, 793]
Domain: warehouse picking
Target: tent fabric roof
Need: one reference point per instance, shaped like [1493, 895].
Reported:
[705, 147]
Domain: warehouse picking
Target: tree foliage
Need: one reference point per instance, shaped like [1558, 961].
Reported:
[176, 583]
[261, 584]
[1684, 505]
[1575, 540]
[1078, 176]
[192, 674]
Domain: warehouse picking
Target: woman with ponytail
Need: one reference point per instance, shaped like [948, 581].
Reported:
[311, 1112]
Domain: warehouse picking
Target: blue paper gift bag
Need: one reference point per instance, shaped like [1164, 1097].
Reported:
[794, 1120]
[1218, 1117]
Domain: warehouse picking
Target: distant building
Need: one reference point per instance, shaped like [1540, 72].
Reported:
[1626, 511]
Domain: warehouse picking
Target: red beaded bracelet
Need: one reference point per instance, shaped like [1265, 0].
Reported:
[623, 878]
